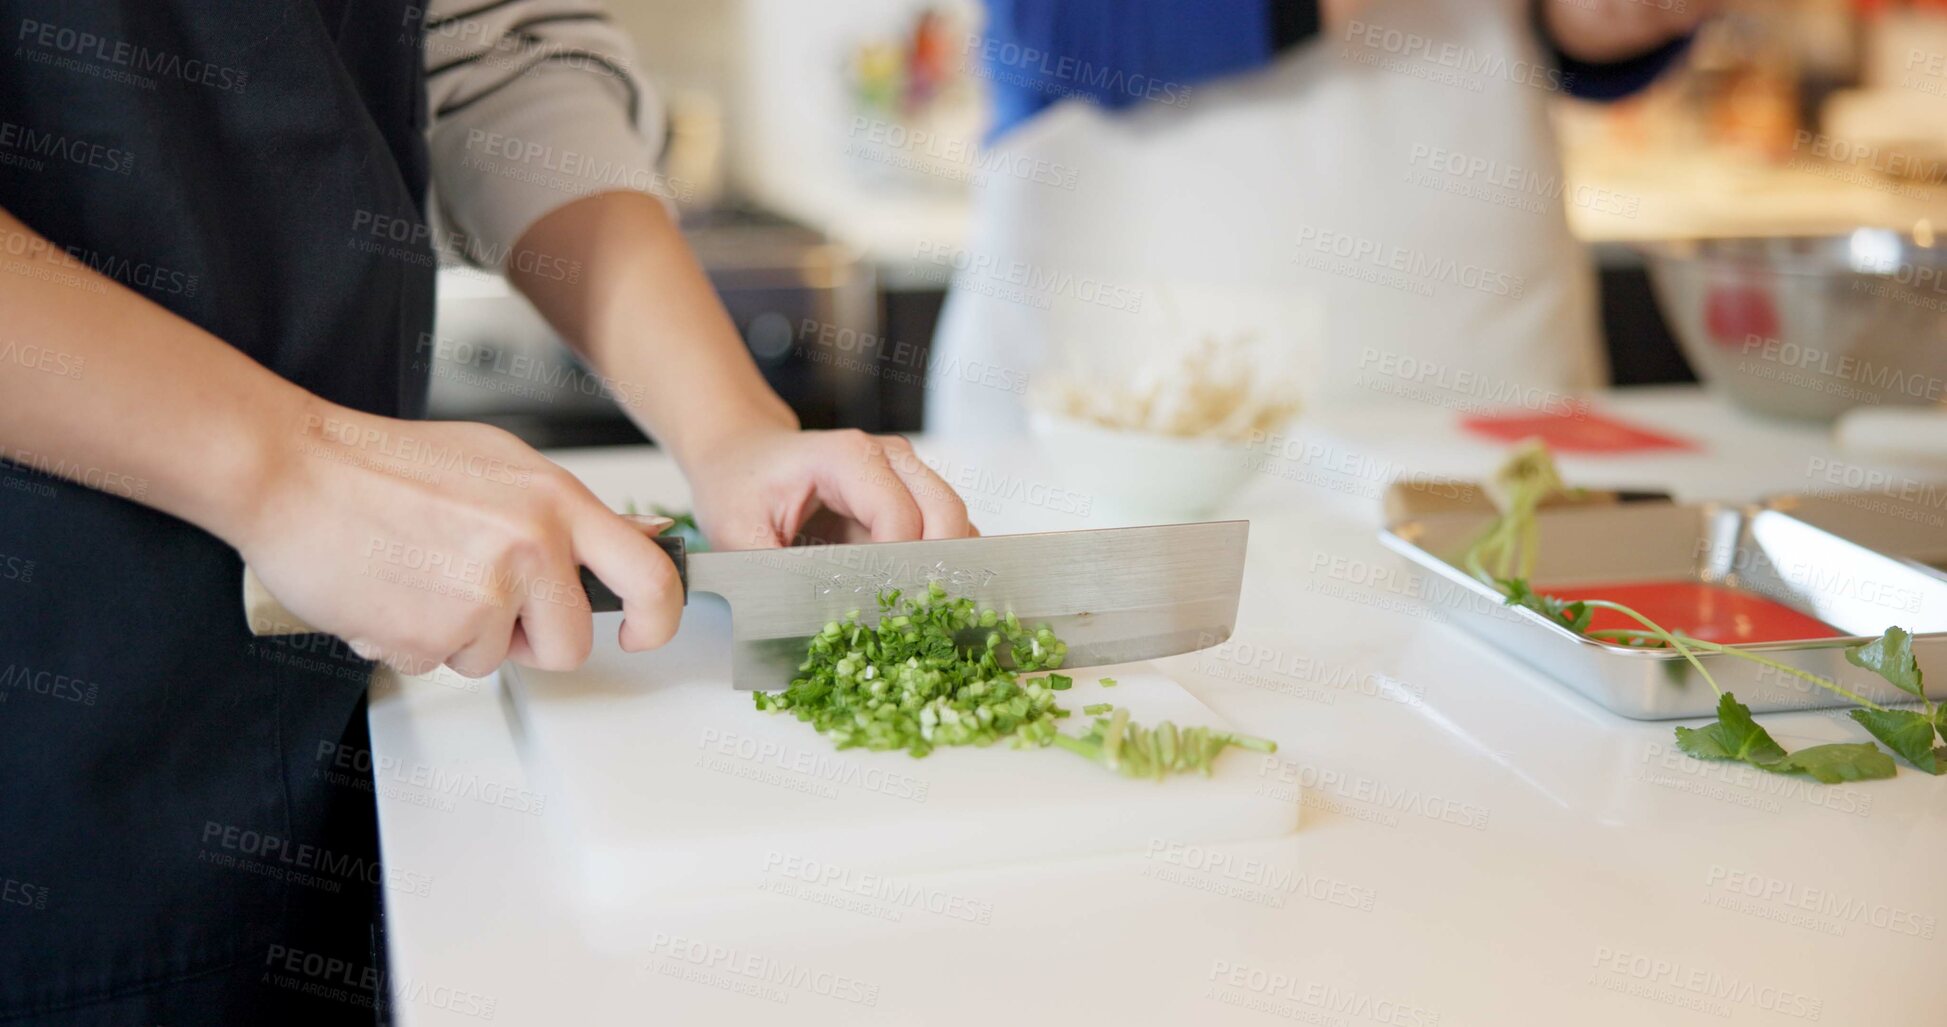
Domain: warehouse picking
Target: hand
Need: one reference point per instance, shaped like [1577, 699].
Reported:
[758, 489]
[422, 543]
[1603, 31]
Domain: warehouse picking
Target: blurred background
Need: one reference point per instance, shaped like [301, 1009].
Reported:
[791, 151]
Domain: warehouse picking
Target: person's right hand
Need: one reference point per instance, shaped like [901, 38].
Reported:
[423, 543]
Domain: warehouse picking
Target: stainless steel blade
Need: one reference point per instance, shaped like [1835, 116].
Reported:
[1115, 595]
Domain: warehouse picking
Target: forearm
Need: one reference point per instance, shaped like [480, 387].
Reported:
[640, 309]
[102, 386]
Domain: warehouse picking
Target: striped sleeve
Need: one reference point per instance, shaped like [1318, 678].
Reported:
[532, 104]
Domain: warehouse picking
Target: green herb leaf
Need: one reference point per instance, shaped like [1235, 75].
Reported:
[1840, 761]
[1891, 657]
[1574, 616]
[1735, 736]
[1732, 736]
[1108, 682]
[1906, 732]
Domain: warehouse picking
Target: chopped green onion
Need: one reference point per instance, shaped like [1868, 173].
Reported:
[907, 683]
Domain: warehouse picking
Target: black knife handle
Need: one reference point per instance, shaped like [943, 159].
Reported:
[602, 600]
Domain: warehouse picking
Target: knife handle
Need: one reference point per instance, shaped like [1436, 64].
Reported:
[266, 616]
[602, 600]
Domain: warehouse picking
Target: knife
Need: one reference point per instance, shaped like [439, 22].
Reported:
[1114, 595]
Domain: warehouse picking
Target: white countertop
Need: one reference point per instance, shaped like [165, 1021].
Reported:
[1492, 850]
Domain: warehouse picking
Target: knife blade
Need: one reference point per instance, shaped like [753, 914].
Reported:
[1114, 595]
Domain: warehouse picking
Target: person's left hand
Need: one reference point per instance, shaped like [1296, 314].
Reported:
[759, 489]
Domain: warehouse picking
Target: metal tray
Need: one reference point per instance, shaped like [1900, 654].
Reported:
[1774, 554]
[1913, 527]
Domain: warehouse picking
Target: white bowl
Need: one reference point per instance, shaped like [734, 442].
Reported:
[1140, 475]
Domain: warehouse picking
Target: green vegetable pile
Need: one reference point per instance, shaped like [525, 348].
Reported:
[1509, 545]
[908, 682]
[905, 683]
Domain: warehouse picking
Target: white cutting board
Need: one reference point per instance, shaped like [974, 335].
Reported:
[659, 779]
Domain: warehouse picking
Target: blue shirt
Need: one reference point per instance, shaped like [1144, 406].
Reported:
[1120, 52]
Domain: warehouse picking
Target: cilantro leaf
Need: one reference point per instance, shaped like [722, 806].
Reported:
[1735, 736]
[1574, 616]
[1906, 732]
[1891, 657]
[1732, 736]
[1840, 761]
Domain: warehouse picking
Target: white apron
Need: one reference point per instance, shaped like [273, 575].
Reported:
[1397, 176]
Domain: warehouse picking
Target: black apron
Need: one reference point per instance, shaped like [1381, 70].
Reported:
[187, 829]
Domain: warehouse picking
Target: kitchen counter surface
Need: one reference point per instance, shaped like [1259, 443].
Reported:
[1477, 845]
